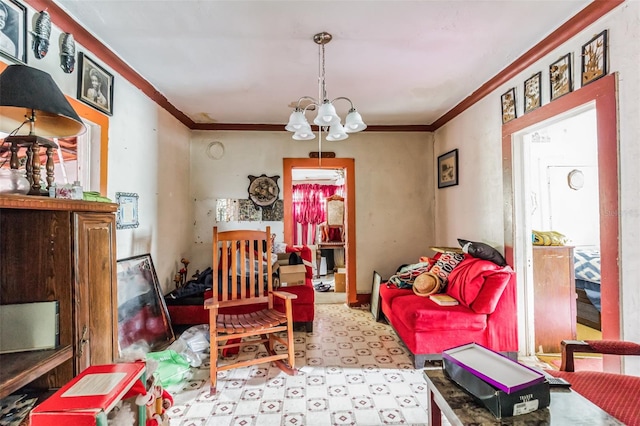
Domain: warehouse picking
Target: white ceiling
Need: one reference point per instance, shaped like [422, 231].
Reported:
[400, 62]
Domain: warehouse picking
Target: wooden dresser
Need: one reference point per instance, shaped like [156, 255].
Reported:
[59, 250]
[554, 297]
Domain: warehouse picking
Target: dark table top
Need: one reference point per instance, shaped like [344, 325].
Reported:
[567, 407]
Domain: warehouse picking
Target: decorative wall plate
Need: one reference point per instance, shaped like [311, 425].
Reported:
[263, 190]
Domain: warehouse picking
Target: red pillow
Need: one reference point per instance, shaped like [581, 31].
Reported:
[478, 284]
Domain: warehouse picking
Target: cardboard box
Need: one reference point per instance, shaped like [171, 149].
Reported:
[291, 275]
[340, 280]
[505, 387]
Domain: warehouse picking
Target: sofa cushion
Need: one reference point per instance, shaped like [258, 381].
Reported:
[422, 314]
[446, 263]
[478, 284]
[482, 251]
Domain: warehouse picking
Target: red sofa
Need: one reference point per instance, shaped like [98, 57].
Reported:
[486, 313]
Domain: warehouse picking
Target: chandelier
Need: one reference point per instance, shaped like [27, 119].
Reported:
[326, 119]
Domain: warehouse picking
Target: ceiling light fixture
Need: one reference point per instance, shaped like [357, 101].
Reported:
[326, 119]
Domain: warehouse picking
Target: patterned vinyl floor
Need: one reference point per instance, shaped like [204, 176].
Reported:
[352, 371]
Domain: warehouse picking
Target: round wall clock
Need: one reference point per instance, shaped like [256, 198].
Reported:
[215, 150]
[575, 179]
[263, 190]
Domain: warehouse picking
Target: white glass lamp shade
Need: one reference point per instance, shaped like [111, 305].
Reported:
[353, 123]
[304, 134]
[297, 121]
[326, 115]
[336, 133]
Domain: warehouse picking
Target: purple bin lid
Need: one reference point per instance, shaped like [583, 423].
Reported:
[492, 367]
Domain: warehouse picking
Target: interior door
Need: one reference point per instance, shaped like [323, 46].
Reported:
[348, 164]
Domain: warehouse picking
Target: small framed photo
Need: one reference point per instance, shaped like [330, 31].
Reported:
[560, 77]
[508, 102]
[127, 215]
[95, 85]
[532, 92]
[594, 58]
[448, 169]
[13, 30]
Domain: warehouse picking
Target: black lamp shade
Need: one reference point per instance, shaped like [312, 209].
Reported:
[24, 90]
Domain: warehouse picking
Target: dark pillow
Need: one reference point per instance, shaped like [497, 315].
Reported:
[482, 251]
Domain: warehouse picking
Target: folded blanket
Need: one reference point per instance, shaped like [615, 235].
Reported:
[95, 196]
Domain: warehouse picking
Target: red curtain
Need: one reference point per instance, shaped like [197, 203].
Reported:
[309, 205]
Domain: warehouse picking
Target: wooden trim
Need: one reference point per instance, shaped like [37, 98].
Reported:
[280, 127]
[67, 24]
[603, 93]
[565, 32]
[102, 120]
[288, 164]
[34, 202]
[573, 26]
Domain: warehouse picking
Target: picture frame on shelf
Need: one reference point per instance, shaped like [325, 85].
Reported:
[532, 92]
[560, 79]
[127, 214]
[508, 103]
[375, 295]
[140, 301]
[95, 85]
[13, 32]
[594, 58]
[448, 169]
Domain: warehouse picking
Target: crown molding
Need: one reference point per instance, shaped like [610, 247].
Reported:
[566, 31]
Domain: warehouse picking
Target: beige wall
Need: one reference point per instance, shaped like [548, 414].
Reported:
[394, 191]
[475, 206]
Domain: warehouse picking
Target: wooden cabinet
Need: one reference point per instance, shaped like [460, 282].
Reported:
[554, 297]
[61, 250]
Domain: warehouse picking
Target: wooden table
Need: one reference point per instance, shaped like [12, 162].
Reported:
[460, 408]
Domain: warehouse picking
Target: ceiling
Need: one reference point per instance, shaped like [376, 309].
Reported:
[247, 62]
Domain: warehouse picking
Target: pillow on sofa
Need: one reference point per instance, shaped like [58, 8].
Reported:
[482, 251]
[445, 264]
[478, 284]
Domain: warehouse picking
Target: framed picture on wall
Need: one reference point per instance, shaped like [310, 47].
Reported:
[127, 214]
[560, 77]
[448, 169]
[532, 92]
[508, 103]
[95, 85]
[594, 58]
[13, 30]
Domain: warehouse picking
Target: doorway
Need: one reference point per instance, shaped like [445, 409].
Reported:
[348, 165]
[602, 96]
[559, 174]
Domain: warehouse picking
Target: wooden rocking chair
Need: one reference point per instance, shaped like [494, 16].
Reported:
[242, 277]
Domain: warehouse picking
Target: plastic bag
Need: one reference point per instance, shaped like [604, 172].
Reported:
[192, 344]
[172, 368]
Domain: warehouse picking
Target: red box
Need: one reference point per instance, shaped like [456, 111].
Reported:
[89, 396]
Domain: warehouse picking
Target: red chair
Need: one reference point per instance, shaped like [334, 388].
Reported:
[617, 394]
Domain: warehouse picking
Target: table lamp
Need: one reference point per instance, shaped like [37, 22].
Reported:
[29, 95]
